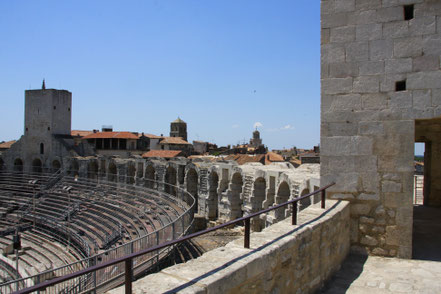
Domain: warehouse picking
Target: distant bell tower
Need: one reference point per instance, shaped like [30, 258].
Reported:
[256, 141]
[178, 128]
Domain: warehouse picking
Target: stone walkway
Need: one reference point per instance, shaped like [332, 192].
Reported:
[377, 275]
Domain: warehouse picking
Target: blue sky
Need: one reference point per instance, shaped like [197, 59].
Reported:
[222, 66]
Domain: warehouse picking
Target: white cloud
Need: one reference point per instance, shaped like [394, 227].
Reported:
[235, 126]
[257, 125]
[287, 127]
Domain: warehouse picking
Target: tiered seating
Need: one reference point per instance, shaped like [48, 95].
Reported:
[96, 215]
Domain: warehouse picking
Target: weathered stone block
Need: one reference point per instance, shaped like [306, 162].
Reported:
[426, 63]
[436, 97]
[366, 84]
[333, 20]
[374, 101]
[361, 17]
[371, 68]
[408, 47]
[368, 32]
[365, 196]
[337, 85]
[343, 69]
[381, 49]
[401, 99]
[425, 25]
[389, 186]
[401, 65]
[344, 5]
[367, 220]
[432, 45]
[422, 99]
[332, 53]
[389, 14]
[360, 209]
[371, 128]
[343, 34]
[396, 29]
[357, 51]
[367, 4]
[325, 36]
[392, 235]
[368, 240]
[387, 83]
[424, 80]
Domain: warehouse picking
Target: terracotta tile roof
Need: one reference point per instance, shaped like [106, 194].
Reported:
[111, 135]
[151, 136]
[162, 153]
[7, 145]
[174, 141]
[80, 133]
[274, 157]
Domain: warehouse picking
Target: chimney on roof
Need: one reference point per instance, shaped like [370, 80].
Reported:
[43, 87]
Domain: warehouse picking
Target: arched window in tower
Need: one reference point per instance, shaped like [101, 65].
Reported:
[41, 148]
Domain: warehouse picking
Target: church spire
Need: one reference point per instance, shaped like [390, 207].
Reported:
[43, 87]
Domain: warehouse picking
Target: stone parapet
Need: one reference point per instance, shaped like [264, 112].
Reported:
[281, 259]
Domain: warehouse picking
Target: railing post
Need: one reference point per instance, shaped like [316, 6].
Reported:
[323, 198]
[294, 214]
[246, 242]
[129, 276]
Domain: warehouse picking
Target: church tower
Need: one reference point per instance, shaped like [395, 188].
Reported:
[178, 128]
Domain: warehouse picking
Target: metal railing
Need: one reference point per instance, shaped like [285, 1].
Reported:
[172, 228]
[130, 259]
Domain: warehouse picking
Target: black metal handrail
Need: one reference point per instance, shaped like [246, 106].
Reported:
[128, 259]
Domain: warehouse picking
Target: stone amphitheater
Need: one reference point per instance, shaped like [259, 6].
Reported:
[99, 208]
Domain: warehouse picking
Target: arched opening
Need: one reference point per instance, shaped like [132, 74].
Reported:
[92, 170]
[37, 165]
[74, 168]
[131, 170]
[1, 164]
[18, 165]
[192, 185]
[55, 165]
[257, 200]
[41, 148]
[235, 201]
[140, 170]
[149, 178]
[282, 196]
[102, 169]
[112, 172]
[170, 180]
[213, 198]
[304, 202]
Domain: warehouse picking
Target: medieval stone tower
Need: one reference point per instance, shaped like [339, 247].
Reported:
[178, 128]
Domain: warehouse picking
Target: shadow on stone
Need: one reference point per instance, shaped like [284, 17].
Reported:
[350, 270]
[426, 233]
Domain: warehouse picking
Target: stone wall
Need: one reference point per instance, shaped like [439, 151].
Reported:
[281, 259]
[379, 73]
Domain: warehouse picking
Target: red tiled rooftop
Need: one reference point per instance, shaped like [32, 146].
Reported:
[174, 140]
[111, 135]
[162, 153]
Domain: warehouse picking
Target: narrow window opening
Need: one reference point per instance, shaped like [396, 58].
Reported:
[68, 109]
[400, 86]
[27, 129]
[55, 107]
[41, 148]
[48, 128]
[408, 12]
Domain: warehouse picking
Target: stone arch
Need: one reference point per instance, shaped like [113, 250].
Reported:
[283, 194]
[37, 165]
[131, 171]
[191, 178]
[56, 165]
[112, 172]
[149, 176]
[92, 170]
[305, 202]
[140, 170]
[170, 180]
[18, 165]
[235, 195]
[74, 168]
[213, 196]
